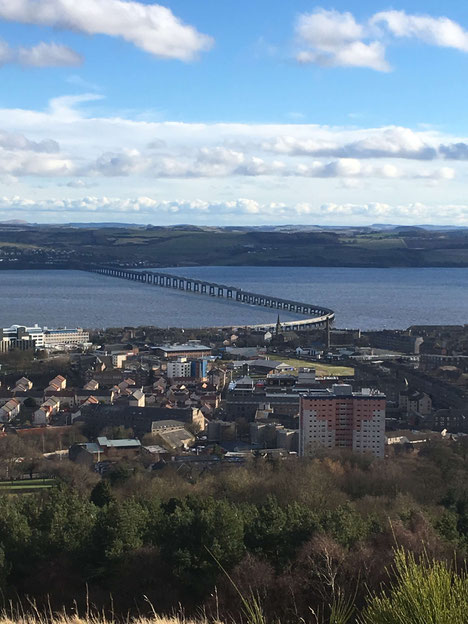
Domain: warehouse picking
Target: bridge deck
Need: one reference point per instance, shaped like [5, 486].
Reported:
[317, 316]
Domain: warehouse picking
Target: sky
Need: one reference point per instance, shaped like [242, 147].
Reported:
[223, 112]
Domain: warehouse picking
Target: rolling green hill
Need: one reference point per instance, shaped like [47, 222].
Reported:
[43, 246]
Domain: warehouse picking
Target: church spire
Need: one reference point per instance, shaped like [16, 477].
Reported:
[278, 326]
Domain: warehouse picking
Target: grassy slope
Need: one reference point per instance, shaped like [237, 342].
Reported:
[184, 246]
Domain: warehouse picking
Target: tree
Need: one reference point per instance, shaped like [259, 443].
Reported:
[62, 522]
[120, 528]
[101, 494]
[275, 532]
[198, 536]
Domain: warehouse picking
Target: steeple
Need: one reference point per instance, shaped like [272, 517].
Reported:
[278, 326]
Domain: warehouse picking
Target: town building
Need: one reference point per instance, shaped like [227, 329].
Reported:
[104, 450]
[35, 337]
[172, 435]
[139, 419]
[17, 337]
[415, 402]
[392, 340]
[221, 431]
[64, 337]
[432, 361]
[341, 418]
[181, 367]
[191, 349]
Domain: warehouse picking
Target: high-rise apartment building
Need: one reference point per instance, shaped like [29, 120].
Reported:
[343, 419]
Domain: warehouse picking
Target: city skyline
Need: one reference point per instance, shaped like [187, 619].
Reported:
[328, 113]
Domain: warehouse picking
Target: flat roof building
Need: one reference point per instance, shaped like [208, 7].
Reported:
[182, 350]
[22, 336]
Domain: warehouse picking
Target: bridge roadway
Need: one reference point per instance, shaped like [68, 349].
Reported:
[317, 316]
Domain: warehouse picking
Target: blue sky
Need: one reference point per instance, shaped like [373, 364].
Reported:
[223, 112]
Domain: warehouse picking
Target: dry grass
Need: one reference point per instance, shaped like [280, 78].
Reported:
[35, 617]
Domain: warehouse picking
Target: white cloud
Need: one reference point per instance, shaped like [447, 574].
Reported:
[78, 184]
[437, 31]
[109, 147]
[14, 141]
[281, 172]
[369, 143]
[152, 28]
[334, 39]
[146, 209]
[33, 164]
[48, 55]
[222, 162]
[41, 55]
[327, 30]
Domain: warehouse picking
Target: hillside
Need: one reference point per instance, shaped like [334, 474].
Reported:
[26, 246]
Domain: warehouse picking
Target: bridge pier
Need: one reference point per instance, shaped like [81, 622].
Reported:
[321, 317]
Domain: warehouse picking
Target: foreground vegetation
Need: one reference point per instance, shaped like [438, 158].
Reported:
[422, 592]
[295, 535]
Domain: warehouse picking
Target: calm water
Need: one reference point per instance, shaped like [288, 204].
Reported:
[366, 298]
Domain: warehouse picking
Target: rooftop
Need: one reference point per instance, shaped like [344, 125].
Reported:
[183, 347]
[344, 391]
[162, 424]
[125, 443]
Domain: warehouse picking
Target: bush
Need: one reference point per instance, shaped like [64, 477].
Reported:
[425, 592]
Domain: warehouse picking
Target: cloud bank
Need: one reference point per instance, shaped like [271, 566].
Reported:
[288, 172]
[148, 209]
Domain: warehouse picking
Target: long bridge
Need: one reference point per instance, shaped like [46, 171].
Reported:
[317, 316]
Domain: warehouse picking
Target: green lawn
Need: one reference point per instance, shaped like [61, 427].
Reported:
[323, 370]
[25, 485]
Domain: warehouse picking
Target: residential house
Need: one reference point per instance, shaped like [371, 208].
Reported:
[137, 399]
[67, 397]
[102, 396]
[48, 408]
[22, 385]
[91, 385]
[10, 410]
[57, 383]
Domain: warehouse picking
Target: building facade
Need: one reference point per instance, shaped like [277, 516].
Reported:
[35, 337]
[343, 419]
[57, 337]
[180, 368]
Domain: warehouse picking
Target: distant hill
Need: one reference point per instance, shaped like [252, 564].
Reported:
[67, 246]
